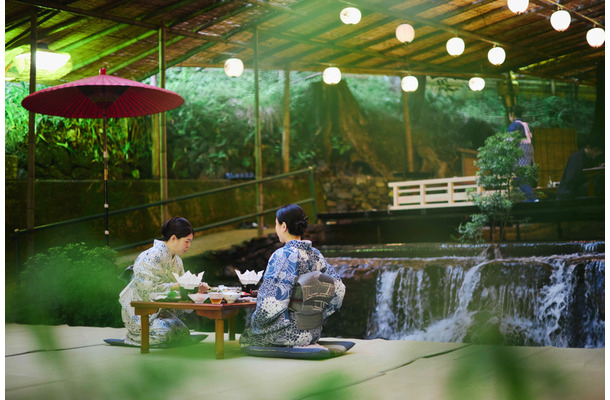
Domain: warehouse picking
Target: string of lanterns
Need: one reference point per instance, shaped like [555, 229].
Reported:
[405, 33]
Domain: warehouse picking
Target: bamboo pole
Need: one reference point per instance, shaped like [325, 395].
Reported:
[162, 128]
[257, 139]
[408, 142]
[156, 152]
[32, 138]
[286, 132]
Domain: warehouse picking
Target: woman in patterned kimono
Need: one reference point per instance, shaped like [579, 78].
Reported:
[152, 276]
[274, 322]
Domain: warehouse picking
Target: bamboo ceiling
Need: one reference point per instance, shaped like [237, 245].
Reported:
[123, 36]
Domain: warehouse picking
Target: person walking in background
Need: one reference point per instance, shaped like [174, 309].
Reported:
[152, 276]
[275, 322]
[517, 125]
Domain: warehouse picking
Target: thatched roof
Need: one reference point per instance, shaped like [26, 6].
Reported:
[123, 36]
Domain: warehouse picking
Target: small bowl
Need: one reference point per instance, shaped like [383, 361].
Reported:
[215, 297]
[198, 297]
[230, 297]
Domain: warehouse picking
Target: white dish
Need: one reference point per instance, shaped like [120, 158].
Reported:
[199, 297]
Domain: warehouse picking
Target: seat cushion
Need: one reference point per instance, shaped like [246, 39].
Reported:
[195, 338]
[331, 349]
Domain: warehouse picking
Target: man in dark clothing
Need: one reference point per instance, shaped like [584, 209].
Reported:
[574, 182]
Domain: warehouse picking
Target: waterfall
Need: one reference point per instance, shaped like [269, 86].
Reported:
[536, 301]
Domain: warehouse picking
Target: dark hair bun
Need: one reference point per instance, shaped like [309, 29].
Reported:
[300, 227]
[178, 226]
[294, 217]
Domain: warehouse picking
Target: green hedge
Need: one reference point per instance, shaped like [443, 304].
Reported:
[73, 284]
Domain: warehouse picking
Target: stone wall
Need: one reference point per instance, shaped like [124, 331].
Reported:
[356, 193]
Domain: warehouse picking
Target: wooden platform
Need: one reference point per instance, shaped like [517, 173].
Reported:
[440, 224]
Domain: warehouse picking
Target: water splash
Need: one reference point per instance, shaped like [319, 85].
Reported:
[544, 301]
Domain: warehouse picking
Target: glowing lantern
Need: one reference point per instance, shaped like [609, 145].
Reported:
[596, 37]
[234, 67]
[496, 55]
[560, 20]
[455, 46]
[350, 16]
[477, 84]
[405, 33]
[518, 6]
[409, 83]
[331, 75]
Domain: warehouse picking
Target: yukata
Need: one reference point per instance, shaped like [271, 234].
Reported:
[527, 159]
[526, 142]
[152, 276]
[273, 322]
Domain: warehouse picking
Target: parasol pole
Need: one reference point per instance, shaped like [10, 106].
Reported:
[106, 231]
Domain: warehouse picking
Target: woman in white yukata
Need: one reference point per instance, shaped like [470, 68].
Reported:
[152, 276]
[274, 322]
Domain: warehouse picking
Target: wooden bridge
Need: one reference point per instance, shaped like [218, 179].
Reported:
[431, 210]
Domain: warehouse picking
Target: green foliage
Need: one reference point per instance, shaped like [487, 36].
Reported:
[472, 231]
[498, 170]
[213, 132]
[72, 284]
[64, 142]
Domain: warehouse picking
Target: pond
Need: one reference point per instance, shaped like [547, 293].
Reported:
[545, 294]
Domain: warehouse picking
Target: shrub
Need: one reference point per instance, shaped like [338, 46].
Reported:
[71, 284]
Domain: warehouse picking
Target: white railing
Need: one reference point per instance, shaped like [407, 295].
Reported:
[433, 193]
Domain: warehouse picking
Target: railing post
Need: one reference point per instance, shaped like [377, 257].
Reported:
[312, 190]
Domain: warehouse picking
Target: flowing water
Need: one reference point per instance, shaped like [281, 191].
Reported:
[551, 300]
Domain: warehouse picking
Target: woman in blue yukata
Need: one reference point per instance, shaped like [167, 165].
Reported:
[276, 322]
[152, 276]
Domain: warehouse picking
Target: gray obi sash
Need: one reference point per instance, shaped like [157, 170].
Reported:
[312, 293]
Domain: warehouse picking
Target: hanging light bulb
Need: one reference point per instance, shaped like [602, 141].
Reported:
[560, 20]
[50, 65]
[596, 37]
[455, 46]
[476, 84]
[234, 67]
[331, 75]
[409, 83]
[350, 16]
[405, 33]
[518, 6]
[496, 55]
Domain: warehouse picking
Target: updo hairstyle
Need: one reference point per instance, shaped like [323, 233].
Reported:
[176, 226]
[294, 217]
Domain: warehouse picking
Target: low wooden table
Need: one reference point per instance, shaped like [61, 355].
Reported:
[217, 312]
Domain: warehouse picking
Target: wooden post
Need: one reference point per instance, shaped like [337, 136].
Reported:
[257, 139]
[286, 132]
[162, 128]
[32, 138]
[408, 143]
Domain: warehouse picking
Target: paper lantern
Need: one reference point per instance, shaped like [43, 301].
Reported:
[596, 37]
[455, 46]
[518, 6]
[234, 67]
[331, 75]
[50, 65]
[405, 33]
[560, 20]
[409, 83]
[350, 15]
[477, 84]
[496, 55]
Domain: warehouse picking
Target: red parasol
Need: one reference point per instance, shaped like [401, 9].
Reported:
[102, 96]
